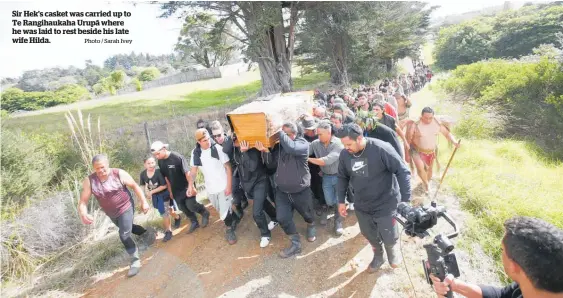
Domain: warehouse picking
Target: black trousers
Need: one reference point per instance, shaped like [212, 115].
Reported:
[378, 230]
[237, 190]
[317, 184]
[287, 202]
[259, 193]
[125, 224]
[188, 205]
[231, 218]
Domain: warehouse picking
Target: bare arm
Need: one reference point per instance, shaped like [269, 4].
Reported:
[447, 134]
[169, 187]
[128, 181]
[229, 172]
[159, 189]
[83, 203]
[317, 161]
[401, 134]
[191, 175]
[466, 289]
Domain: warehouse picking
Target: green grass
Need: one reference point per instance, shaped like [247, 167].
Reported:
[497, 179]
[125, 113]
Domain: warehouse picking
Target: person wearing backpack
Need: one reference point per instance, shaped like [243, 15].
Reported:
[217, 172]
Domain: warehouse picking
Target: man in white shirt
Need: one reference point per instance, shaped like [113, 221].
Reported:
[216, 169]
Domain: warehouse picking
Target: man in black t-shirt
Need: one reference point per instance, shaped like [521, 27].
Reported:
[175, 169]
[532, 255]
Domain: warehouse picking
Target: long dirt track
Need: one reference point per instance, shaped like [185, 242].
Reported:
[204, 265]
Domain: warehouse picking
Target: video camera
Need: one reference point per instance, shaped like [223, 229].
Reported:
[417, 220]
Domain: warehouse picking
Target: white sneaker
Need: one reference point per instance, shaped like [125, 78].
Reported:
[351, 206]
[272, 225]
[264, 242]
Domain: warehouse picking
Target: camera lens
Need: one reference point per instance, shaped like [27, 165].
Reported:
[444, 243]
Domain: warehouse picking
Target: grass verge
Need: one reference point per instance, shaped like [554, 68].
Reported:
[115, 115]
[497, 179]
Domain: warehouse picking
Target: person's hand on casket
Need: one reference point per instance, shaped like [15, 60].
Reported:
[261, 147]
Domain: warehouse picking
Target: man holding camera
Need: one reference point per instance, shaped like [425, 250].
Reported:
[380, 180]
[532, 255]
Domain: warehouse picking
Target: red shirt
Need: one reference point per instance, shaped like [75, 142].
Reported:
[390, 110]
[114, 197]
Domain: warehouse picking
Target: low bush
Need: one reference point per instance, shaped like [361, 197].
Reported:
[14, 99]
[528, 94]
[27, 169]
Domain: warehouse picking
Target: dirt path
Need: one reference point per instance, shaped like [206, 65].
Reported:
[204, 265]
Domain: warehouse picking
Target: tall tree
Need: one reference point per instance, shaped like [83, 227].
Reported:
[361, 40]
[204, 41]
[262, 32]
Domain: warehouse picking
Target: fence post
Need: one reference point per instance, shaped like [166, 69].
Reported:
[147, 134]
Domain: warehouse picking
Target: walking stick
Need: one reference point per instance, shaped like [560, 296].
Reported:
[446, 170]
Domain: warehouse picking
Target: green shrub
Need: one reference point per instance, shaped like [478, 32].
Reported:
[475, 124]
[14, 99]
[513, 34]
[137, 83]
[528, 94]
[27, 170]
[149, 74]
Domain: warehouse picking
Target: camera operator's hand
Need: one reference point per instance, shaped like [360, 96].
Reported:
[441, 287]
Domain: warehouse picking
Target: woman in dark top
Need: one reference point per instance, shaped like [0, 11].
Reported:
[155, 186]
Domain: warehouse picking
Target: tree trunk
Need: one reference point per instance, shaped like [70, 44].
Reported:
[269, 47]
[389, 65]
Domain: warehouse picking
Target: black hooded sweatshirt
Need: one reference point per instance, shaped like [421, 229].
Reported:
[291, 157]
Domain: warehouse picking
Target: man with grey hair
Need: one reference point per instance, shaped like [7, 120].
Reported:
[110, 187]
[326, 150]
[293, 181]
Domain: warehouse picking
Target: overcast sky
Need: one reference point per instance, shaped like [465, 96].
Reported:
[149, 33]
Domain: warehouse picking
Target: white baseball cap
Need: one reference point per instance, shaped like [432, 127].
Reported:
[156, 146]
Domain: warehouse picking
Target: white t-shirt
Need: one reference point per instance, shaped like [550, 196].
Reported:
[213, 169]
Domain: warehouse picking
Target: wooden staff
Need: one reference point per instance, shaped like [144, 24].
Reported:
[446, 170]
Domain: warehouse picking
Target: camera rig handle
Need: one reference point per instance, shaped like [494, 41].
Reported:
[416, 221]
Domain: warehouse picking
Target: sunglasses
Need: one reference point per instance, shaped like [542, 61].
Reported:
[153, 151]
[217, 136]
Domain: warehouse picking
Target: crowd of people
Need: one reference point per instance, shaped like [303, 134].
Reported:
[351, 154]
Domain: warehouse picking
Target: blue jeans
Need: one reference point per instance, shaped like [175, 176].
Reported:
[329, 189]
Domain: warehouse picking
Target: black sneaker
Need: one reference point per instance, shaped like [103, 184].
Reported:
[376, 263]
[193, 227]
[205, 219]
[177, 222]
[293, 249]
[244, 204]
[231, 237]
[167, 236]
[149, 236]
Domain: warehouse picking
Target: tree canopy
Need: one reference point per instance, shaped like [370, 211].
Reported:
[511, 34]
[206, 41]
